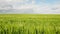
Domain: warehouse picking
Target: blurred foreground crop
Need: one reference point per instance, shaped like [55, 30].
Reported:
[29, 24]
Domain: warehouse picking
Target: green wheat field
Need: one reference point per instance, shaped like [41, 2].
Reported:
[29, 24]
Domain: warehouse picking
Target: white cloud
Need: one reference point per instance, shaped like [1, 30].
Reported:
[28, 6]
[17, 4]
[14, 0]
[21, 4]
[47, 9]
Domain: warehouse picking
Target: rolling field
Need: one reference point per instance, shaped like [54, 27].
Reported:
[29, 24]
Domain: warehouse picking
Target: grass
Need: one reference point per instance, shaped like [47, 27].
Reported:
[29, 24]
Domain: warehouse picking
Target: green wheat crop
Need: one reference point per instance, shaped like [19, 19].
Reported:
[29, 24]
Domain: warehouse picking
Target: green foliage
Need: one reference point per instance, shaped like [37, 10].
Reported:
[29, 24]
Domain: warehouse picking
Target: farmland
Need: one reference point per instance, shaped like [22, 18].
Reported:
[29, 24]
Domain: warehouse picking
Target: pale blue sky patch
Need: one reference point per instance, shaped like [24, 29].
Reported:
[47, 1]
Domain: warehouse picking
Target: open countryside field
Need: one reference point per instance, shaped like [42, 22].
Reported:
[29, 24]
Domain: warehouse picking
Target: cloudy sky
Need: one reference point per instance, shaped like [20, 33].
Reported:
[30, 6]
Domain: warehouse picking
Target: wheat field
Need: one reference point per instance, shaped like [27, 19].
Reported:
[29, 24]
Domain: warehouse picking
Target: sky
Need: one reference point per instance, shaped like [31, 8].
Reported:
[30, 6]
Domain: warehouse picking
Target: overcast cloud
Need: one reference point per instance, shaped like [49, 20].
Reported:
[30, 6]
